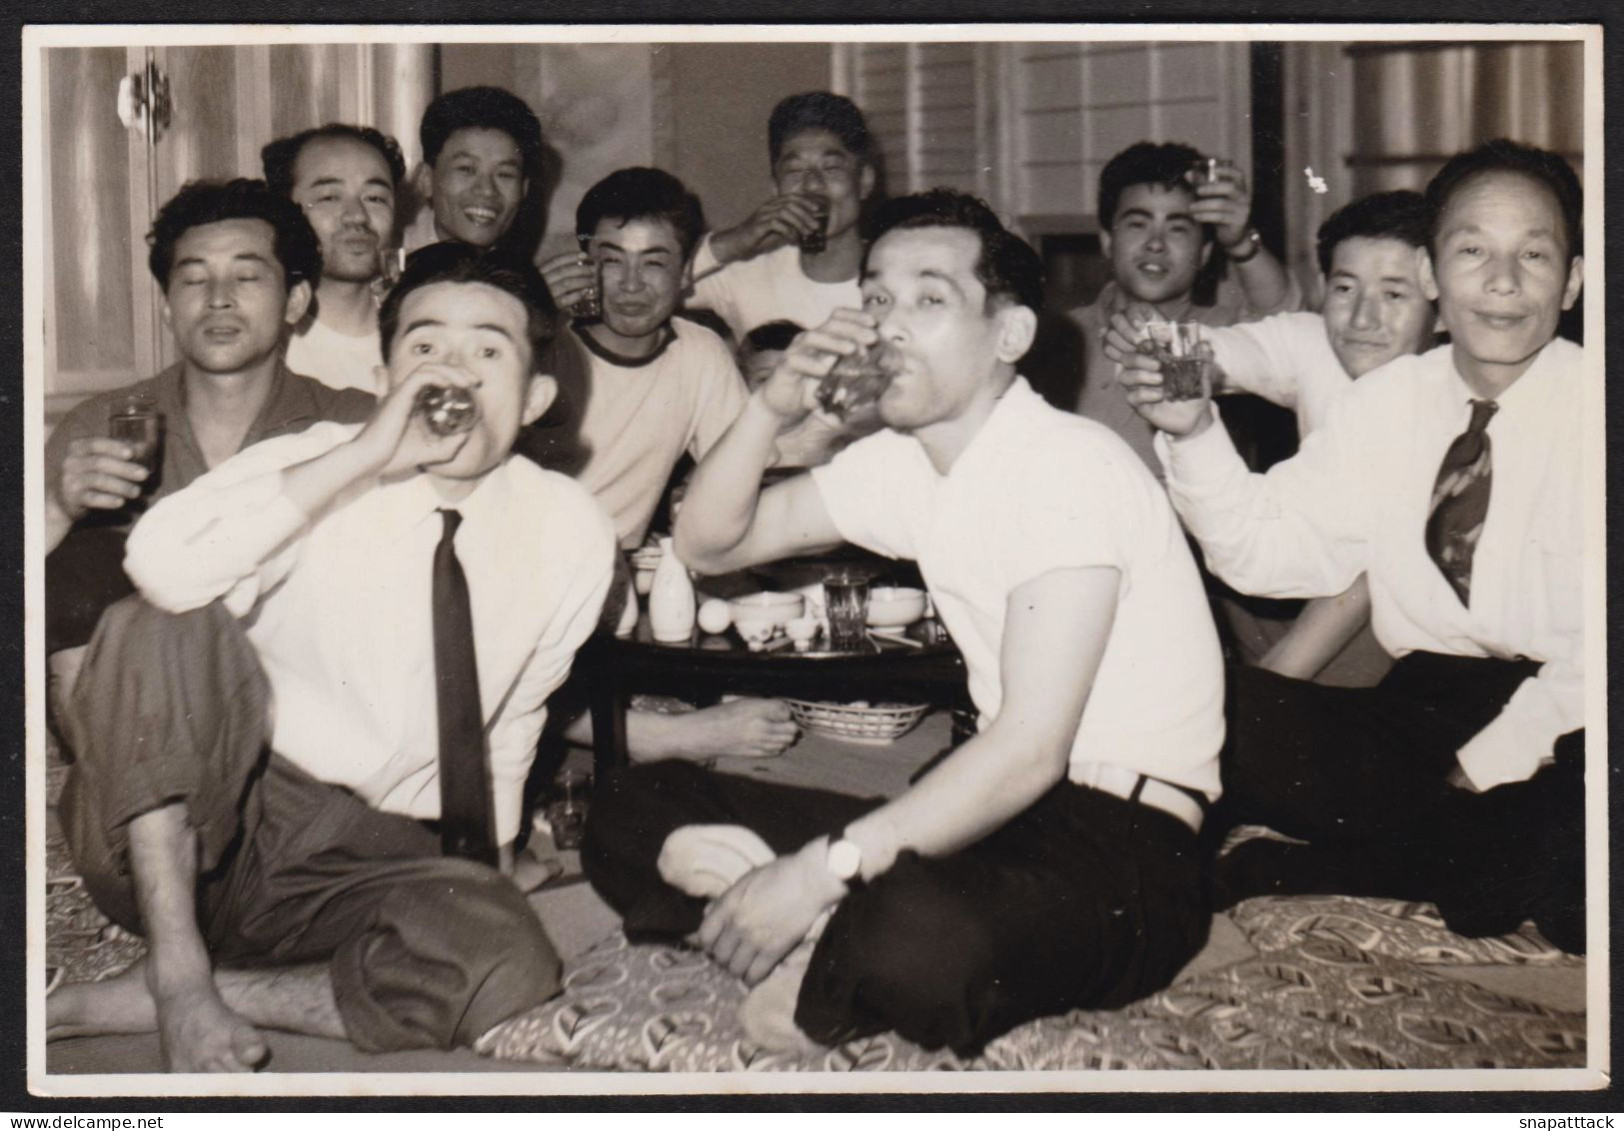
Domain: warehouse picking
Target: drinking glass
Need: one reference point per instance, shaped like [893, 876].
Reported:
[845, 597]
[567, 811]
[1177, 345]
[856, 380]
[817, 240]
[589, 305]
[446, 409]
[137, 422]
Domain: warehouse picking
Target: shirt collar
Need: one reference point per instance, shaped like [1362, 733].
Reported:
[410, 502]
[1538, 383]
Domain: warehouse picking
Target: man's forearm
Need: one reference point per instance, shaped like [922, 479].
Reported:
[1264, 280]
[720, 505]
[980, 787]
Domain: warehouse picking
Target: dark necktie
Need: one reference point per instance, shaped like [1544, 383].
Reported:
[1460, 501]
[465, 779]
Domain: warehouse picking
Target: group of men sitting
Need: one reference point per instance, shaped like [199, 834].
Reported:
[303, 663]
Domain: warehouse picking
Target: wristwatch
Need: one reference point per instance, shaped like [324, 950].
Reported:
[1246, 248]
[845, 862]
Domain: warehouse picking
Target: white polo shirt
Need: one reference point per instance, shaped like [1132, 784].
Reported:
[1039, 490]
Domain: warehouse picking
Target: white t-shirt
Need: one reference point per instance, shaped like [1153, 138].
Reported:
[641, 415]
[1038, 490]
[1286, 359]
[766, 288]
[339, 361]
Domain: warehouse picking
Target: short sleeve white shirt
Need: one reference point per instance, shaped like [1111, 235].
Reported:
[339, 361]
[767, 288]
[641, 416]
[1039, 490]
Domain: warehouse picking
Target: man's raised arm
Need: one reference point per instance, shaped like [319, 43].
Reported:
[727, 521]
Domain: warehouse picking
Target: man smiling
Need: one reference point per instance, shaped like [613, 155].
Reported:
[481, 150]
[1455, 480]
[1047, 863]
[408, 600]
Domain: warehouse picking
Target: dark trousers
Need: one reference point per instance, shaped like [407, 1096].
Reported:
[83, 576]
[1083, 900]
[1360, 774]
[423, 951]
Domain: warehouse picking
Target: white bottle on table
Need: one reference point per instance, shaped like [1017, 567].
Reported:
[671, 603]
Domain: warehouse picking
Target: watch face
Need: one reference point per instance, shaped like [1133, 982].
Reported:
[845, 859]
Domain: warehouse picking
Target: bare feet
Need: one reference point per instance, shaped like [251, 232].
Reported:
[197, 1033]
[121, 1004]
[767, 1013]
[744, 728]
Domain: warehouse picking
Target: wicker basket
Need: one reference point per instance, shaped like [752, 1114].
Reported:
[871, 726]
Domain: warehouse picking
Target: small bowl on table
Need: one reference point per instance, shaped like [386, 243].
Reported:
[894, 607]
[778, 608]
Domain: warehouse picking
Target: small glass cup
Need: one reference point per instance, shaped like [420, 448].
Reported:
[391, 264]
[817, 241]
[136, 421]
[589, 305]
[845, 596]
[1178, 346]
[1207, 170]
[856, 380]
[567, 811]
[447, 409]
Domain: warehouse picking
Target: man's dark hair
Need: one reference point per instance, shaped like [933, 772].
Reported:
[771, 337]
[482, 108]
[1505, 156]
[640, 193]
[209, 202]
[1145, 163]
[1398, 215]
[1007, 267]
[456, 262]
[280, 156]
[819, 110]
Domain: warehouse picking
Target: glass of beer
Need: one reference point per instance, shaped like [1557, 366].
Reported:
[136, 421]
[845, 595]
[856, 380]
[567, 810]
[1178, 346]
[589, 305]
[446, 409]
[817, 240]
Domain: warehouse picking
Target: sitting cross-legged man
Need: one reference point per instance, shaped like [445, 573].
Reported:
[302, 745]
[1375, 310]
[1454, 480]
[1050, 861]
[236, 264]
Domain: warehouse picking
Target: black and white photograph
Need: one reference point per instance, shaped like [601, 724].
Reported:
[577, 560]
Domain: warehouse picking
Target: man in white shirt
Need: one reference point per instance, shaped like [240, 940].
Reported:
[1374, 311]
[279, 863]
[773, 265]
[1455, 480]
[658, 388]
[345, 178]
[1049, 862]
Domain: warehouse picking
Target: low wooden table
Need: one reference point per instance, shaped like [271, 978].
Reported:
[706, 667]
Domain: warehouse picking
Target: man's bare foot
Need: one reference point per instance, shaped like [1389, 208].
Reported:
[197, 1033]
[767, 1013]
[743, 728]
[120, 1004]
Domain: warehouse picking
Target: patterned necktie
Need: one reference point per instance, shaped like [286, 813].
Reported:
[1460, 501]
[465, 779]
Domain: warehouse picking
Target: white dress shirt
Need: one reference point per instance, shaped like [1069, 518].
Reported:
[1356, 499]
[1287, 360]
[338, 608]
[1039, 490]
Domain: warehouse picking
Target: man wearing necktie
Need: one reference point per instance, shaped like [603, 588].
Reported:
[407, 600]
[1455, 478]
